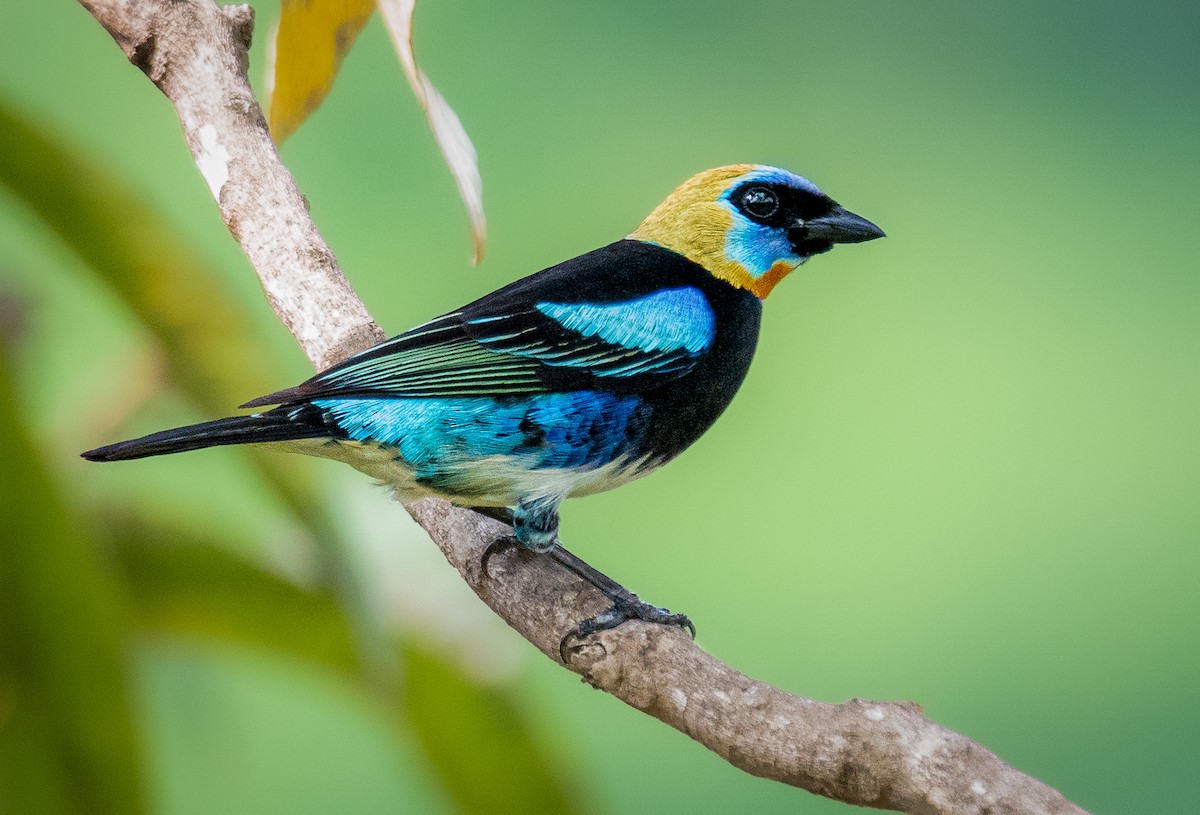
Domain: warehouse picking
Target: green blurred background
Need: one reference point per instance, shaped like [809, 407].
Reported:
[963, 470]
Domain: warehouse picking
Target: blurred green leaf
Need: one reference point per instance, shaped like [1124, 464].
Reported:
[474, 736]
[145, 260]
[180, 584]
[208, 344]
[203, 331]
[479, 744]
[68, 742]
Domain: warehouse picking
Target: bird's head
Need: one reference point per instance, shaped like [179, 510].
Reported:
[751, 224]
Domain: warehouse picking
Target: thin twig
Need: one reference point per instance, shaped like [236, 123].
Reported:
[876, 754]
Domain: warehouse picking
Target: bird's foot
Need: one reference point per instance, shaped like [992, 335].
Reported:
[625, 604]
[623, 609]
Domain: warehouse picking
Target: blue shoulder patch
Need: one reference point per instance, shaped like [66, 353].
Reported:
[667, 321]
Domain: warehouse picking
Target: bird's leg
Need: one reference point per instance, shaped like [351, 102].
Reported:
[535, 525]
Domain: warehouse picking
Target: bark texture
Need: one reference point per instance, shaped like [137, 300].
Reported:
[877, 754]
[196, 53]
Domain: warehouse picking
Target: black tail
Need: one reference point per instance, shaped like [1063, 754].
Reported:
[281, 424]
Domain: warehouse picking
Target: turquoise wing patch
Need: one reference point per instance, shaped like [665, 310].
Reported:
[666, 321]
[661, 333]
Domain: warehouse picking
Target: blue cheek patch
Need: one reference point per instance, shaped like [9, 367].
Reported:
[440, 439]
[756, 247]
[669, 320]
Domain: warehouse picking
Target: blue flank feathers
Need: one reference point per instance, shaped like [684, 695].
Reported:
[439, 439]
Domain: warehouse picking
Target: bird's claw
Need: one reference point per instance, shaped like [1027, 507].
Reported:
[625, 605]
[501, 544]
[621, 611]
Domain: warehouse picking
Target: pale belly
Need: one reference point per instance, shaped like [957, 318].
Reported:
[499, 481]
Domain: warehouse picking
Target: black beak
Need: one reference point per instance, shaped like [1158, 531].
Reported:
[839, 226]
[816, 235]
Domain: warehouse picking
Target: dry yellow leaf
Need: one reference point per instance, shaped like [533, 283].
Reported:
[451, 137]
[306, 51]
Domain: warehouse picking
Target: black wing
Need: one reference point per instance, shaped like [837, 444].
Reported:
[514, 342]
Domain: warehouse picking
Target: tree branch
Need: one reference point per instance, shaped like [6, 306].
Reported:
[196, 53]
[876, 754]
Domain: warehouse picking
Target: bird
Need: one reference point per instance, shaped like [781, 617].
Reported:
[576, 379]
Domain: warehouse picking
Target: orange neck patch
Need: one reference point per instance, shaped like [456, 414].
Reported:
[762, 286]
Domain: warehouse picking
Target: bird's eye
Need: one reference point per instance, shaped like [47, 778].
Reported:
[760, 202]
